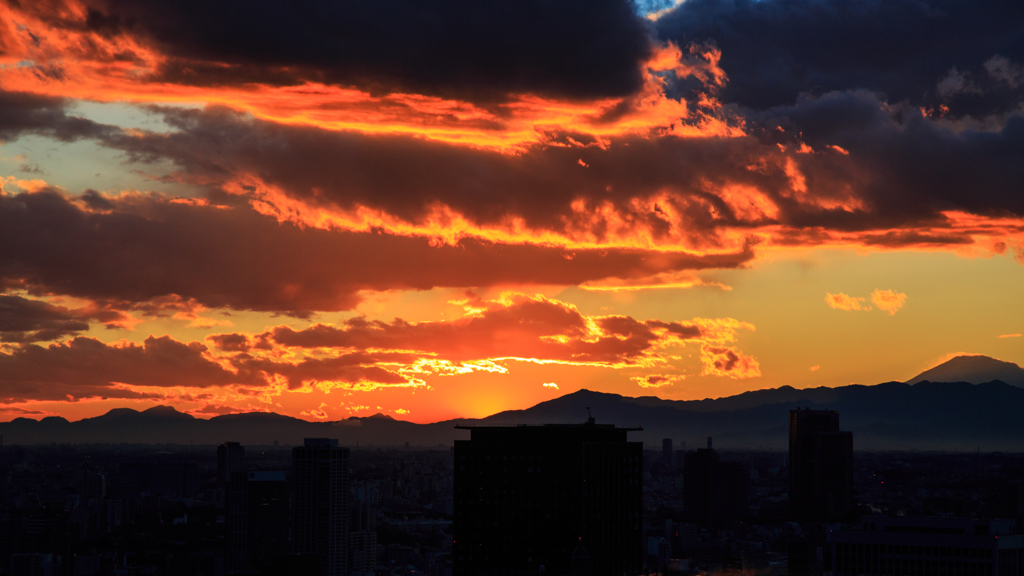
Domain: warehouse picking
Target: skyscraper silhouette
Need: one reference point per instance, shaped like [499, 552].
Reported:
[230, 458]
[532, 496]
[257, 519]
[820, 466]
[714, 492]
[320, 503]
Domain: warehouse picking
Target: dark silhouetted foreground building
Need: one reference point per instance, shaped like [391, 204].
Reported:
[257, 519]
[820, 466]
[714, 492]
[530, 496]
[320, 503]
[903, 546]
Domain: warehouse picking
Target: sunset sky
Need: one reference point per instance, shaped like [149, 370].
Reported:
[448, 208]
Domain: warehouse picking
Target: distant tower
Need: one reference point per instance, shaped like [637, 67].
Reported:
[666, 452]
[230, 458]
[320, 503]
[820, 466]
[714, 492]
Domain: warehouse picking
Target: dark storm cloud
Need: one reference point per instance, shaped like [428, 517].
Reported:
[23, 113]
[88, 368]
[144, 247]
[462, 48]
[26, 320]
[903, 163]
[773, 50]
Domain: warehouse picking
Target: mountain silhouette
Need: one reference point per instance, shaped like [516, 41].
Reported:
[890, 416]
[973, 369]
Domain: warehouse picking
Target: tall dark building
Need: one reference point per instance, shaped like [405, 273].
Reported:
[320, 503]
[235, 503]
[230, 458]
[714, 492]
[820, 466]
[531, 496]
[666, 452]
[257, 519]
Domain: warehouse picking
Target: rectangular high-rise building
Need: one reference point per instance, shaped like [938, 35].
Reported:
[532, 496]
[257, 519]
[820, 466]
[230, 458]
[714, 492]
[320, 503]
[666, 452]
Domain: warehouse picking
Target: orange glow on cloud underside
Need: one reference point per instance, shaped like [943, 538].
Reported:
[605, 226]
[258, 370]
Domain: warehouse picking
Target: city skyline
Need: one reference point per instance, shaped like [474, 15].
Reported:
[424, 212]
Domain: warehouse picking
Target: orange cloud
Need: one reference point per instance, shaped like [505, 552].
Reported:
[729, 362]
[657, 380]
[888, 301]
[842, 301]
[492, 334]
[1010, 336]
[318, 413]
[657, 281]
[885, 300]
[515, 327]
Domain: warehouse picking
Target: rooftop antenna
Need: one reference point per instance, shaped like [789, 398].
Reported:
[590, 418]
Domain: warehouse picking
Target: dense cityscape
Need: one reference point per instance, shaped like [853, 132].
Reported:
[822, 508]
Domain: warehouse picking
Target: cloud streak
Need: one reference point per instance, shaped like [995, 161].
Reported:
[887, 301]
[366, 355]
